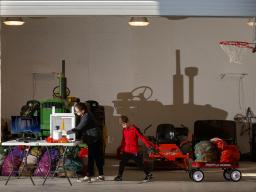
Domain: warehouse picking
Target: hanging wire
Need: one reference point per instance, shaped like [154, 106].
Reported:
[241, 94]
[254, 30]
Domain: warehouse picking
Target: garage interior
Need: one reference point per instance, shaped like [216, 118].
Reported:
[172, 71]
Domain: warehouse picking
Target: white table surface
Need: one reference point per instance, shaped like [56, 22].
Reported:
[39, 143]
[17, 143]
[71, 144]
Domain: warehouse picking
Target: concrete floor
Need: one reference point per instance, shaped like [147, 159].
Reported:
[164, 180]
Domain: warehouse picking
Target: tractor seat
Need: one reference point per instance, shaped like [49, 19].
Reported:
[165, 134]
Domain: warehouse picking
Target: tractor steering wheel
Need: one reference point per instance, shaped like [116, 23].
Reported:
[142, 92]
[56, 91]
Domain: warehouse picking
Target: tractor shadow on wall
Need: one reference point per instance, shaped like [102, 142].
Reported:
[143, 111]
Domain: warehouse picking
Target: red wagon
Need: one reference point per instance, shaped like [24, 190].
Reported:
[167, 149]
[230, 170]
[171, 152]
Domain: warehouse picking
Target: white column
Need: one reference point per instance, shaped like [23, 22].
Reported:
[0, 79]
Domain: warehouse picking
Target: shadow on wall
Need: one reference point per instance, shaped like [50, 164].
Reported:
[142, 111]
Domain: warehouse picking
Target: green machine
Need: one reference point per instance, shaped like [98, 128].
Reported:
[61, 91]
[46, 111]
[60, 94]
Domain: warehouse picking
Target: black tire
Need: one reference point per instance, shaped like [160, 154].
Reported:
[197, 175]
[235, 175]
[190, 173]
[226, 174]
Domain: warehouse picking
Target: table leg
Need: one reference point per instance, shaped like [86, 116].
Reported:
[25, 161]
[26, 164]
[73, 152]
[50, 164]
[59, 160]
[11, 153]
[64, 159]
[38, 163]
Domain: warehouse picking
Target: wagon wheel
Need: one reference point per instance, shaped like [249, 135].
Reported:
[226, 174]
[198, 175]
[235, 175]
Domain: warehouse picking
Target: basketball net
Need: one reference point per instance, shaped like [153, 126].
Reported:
[235, 50]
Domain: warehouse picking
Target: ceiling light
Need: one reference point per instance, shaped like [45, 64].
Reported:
[251, 22]
[13, 21]
[138, 21]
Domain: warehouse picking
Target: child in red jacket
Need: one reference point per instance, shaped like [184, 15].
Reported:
[129, 148]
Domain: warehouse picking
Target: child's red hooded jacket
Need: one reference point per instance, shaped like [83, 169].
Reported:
[130, 140]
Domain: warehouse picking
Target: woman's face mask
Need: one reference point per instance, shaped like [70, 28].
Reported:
[124, 125]
[78, 112]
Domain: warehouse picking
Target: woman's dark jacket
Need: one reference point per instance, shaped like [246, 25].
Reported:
[89, 129]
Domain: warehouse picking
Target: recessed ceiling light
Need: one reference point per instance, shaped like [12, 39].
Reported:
[13, 21]
[139, 21]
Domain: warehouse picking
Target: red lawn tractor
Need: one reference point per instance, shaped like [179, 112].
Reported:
[167, 147]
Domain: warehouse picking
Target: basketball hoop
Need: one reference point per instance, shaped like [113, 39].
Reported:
[236, 50]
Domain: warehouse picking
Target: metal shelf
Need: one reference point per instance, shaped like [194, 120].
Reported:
[239, 75]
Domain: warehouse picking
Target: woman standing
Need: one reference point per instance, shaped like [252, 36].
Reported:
[92, 135]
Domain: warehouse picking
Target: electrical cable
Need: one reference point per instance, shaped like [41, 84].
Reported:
[34, 86]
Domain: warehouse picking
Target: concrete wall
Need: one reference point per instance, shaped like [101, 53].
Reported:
[175, 64]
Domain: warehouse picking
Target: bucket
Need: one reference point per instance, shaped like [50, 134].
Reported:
[56, 135]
